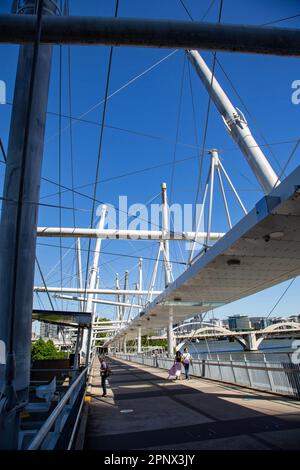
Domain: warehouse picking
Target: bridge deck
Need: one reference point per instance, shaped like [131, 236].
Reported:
[194, 414]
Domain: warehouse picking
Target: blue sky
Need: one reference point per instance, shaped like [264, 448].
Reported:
[151, 106]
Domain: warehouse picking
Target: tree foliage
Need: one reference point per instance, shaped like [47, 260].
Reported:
[46, 350]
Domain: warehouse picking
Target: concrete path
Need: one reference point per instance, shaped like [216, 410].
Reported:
[144, 410]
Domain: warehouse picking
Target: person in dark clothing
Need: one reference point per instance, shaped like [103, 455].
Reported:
[176, 367]
[177, 362]
[104, 374]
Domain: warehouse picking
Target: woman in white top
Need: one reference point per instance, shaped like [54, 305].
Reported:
[186, 360]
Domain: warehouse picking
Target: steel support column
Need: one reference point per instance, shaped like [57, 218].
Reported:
[19, 222]
[139, 340]
[170, 335]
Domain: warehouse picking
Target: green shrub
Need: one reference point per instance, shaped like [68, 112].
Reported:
[46, 350]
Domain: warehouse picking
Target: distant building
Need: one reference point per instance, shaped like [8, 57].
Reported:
[294, 318]
[278, 319]
[48, 331]
[239, 322]
[259, 323]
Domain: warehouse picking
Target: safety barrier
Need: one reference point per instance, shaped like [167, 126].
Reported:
[281, 377]
[47, 437]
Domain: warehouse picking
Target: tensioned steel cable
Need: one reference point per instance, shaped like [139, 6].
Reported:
[41, 303]
[121, 88]
[3, 151]
[36, 258]
[150, 136]
[281, 19]
[94, 199]
[235, 89]
[164, 139]
[287, 162]
[60, 159]
[99, 156]
[249, 113]
[281, 297]
[147, 204]
[105, 252]
[119, 255]
[53, 206]
[194, 110]
[44, 282]
[177, 126]
[177, 132]
[124, 175]
[153, 167]
[205, 14]
[67, 11]
[238, 95]
[179, 109]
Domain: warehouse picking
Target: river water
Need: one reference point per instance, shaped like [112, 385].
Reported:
[226, 350]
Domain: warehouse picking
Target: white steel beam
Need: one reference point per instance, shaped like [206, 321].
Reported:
[93, 291]
[66, 232]
[98, 301]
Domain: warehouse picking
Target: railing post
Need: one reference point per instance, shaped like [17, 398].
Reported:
[269, 374]
[232, 367]
[203, 368]
[248, 372]
[220, 372]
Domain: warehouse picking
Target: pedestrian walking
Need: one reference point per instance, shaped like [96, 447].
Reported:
[186, 360]
[104, 373]
[155, 358]
[176, 368]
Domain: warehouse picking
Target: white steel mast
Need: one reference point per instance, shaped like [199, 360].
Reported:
[236, 125]
[86, 341]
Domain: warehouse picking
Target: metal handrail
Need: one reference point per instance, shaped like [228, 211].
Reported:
[283, 377]
[76, 422]
[223, 363]
[243, 366]
[55, 370]
[43, 431]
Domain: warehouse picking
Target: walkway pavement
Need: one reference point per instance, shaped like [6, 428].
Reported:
[144, 410]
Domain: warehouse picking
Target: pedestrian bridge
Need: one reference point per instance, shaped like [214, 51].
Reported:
[144, 410]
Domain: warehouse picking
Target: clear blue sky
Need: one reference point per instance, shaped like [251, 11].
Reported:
[151, 106]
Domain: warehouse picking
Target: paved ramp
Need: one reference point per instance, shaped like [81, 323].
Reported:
[144, 410]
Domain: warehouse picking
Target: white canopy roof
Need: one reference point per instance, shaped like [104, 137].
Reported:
[261, 250]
